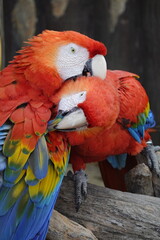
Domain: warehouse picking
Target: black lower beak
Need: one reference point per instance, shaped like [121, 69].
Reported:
[87, 71]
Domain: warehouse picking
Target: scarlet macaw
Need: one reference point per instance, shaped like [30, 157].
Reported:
[105, 118]
[32, 164]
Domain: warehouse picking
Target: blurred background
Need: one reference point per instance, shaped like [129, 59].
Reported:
[129, 28]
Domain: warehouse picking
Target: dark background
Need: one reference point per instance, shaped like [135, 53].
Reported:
[129, 28]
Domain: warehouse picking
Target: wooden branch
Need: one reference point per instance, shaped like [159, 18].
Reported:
[111, 214]
[139, 180]
[143, 180]
[62, 228]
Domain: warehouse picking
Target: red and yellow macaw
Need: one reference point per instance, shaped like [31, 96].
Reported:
[32, 162]
[105, 119]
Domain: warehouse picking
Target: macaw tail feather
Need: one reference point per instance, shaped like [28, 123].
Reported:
[117, 161]
[42, 234]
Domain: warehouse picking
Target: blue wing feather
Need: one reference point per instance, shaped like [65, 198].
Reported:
[36, 224]
[21, 216]
[150, 122]
[145, 121]
[135, 134]
[40, 155]
[42, 234]
[117, 161]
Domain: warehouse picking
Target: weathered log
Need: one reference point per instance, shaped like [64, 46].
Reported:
[112, 214]
[150, 185]
[136, 177]
[139, 180]
[62, 228]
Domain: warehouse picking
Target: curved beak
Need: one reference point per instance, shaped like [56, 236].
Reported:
[71, 120]
[96, 66]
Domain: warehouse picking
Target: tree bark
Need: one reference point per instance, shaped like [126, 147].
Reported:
[62, 228]
[112, 214]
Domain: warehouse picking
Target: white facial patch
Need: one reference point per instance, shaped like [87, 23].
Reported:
[69, 102]
[71, 60]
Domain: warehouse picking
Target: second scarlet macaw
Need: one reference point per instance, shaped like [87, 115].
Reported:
[32, 163]
[105, 118]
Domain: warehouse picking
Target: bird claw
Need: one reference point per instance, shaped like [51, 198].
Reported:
[80, 182]
[150, 153]
[70, 175]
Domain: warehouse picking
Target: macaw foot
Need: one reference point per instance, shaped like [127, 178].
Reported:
[80, 182]
[152, 159]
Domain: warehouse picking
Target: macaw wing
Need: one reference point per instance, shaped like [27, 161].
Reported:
[135, 114]
[30, 180]
[28, 194]
[145, 120]
[137, 129]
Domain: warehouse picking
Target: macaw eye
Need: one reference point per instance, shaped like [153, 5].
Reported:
[73, 50]
[82, 94]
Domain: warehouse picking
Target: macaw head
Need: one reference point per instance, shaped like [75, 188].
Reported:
[54, 57]
[87, 104]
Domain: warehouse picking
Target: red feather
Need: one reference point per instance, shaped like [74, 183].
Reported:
[120, 96]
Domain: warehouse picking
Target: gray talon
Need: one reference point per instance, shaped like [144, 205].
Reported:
[80, 179]
[70, 175]
[152, 159]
